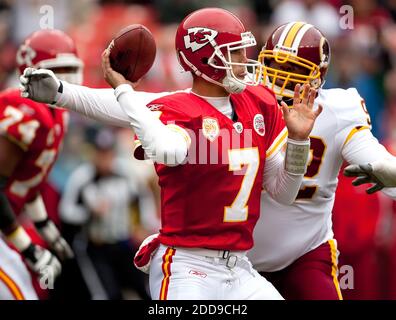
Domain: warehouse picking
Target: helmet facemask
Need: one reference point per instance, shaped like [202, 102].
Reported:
[231, 82]
[272, 76]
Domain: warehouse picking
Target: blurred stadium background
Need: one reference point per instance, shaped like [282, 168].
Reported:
[363, 57]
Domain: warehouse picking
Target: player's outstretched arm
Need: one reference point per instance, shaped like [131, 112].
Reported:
[42, 85]
[283, 174]
[370, 162]
[161, 143]
[47, 229]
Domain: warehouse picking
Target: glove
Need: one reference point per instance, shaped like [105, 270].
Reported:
[40, 85]
[47, 229]
[52, 236]
[146, 251]
[382, 173]
[40, 259]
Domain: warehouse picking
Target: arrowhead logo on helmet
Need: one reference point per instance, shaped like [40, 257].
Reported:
[25, 55]
[198, 37]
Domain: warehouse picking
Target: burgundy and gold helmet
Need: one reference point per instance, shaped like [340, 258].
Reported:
[301, 47]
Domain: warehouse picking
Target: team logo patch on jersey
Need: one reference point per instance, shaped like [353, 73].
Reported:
[210, 128]
[198, 37]
[238, 127]
[258, 124]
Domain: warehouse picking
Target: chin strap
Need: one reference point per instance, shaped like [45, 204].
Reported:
[231, 84]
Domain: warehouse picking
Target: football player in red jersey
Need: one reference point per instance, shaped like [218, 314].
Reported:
[30, 138]
[214, 147]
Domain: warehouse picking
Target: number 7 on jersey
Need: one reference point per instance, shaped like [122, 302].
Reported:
[238, 211]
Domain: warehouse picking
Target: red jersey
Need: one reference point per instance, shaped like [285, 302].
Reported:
[39, 131]
[213, 200]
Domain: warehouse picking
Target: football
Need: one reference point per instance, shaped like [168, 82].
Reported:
[132, 52]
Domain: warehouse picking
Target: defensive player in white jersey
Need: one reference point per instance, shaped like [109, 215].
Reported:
[294, 245]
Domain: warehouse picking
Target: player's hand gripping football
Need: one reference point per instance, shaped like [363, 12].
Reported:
[301, 117]
[113, 78]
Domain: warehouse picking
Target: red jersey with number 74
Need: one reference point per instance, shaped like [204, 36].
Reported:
[213, 199]
[38, 131]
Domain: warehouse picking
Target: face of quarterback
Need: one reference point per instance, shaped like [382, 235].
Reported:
[239, 56]
[288, 67]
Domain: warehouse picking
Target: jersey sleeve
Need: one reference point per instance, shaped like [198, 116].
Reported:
[101, 104]
[352, 115]
[176, 120]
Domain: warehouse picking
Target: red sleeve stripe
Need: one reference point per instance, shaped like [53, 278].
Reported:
[166, 270]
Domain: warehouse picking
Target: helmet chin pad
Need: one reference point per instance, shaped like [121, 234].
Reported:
[233, 86]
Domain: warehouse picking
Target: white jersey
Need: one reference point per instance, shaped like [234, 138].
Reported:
[285, 233]
[15, 280]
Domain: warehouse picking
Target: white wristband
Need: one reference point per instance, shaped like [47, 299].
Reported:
[20, 239]
[297, 156]
[122, 88]
[36, 210]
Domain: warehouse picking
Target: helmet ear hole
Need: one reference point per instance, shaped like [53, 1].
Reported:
[205, 60]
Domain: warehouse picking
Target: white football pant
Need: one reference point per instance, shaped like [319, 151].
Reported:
[202, 274]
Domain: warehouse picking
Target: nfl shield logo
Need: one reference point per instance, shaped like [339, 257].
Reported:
[258, 124]
[238, 127]
[210, 128]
